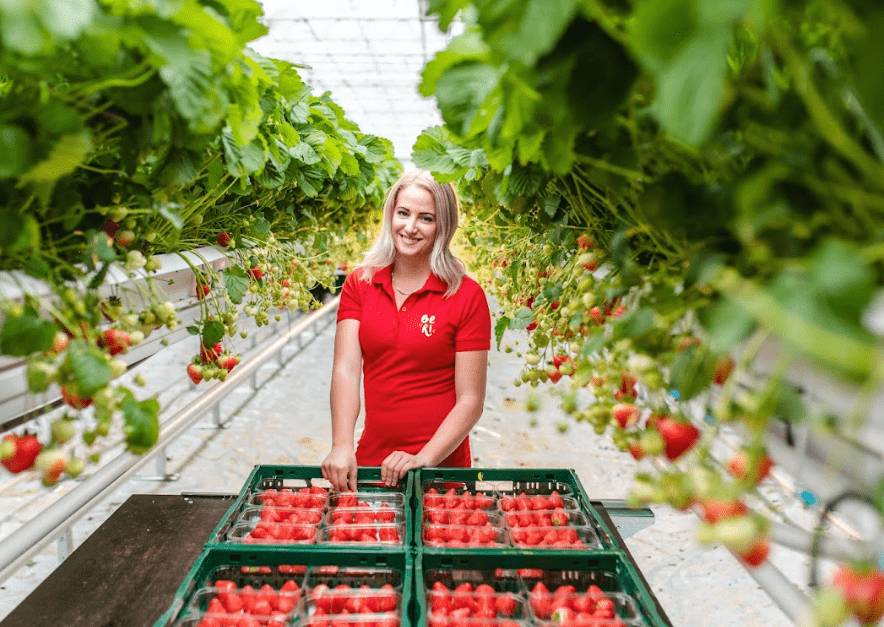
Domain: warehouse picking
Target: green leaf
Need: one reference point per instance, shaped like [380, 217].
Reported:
[462, 91]
[64, 157]
[261, 227]
[691, 372]
[526, 29]
[26, 334]
[634, 324]
[193, 330]
[236, 282]
[842, 277]
[67, 19]
[305, 153]
[17, 150]
[171, 215]
[447, 10]
[213, 332]
[91, 371]
[141, 424]
[500, 328]
[468, 46]
[726, 324]
[20, 233]
[242, 161]
[523, 318]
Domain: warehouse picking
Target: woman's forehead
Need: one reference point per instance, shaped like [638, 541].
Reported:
[416, 197]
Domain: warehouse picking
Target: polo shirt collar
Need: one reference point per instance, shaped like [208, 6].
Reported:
[384, 277]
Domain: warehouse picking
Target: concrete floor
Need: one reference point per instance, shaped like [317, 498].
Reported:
[287, 422]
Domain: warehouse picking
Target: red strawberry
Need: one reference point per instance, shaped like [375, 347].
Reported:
[863, 589]
[553, 373]
[715, 510]
[756, 554]
[114, 340]
[738, 466]
[202, 290]
[74, 400]
[627, 387]
[209, 355]
[110, 227]
[228, 362]
[223, 239]
[585, 242]
[195, 373]
[678, 437]
[18, 453]
[626, 414]
[256, 272]
[636, 450]
[597, 316]
[125, 238]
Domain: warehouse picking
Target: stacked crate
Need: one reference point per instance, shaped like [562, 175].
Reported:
[461, 547]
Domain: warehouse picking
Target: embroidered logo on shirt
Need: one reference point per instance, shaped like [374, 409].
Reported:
[427, 325]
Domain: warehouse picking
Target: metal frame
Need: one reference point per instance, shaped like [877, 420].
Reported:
[54, 522]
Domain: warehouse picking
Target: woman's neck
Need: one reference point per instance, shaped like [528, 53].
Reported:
[418, 269]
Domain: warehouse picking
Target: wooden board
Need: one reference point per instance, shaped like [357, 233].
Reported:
[126, 573]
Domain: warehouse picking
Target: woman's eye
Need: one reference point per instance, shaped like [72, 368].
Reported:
[428, 218]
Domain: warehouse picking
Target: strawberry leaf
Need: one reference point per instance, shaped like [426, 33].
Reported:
[91, 371]
[236, 282]
[141, 424]
[500, 328]
[26, 334]
[213, 331]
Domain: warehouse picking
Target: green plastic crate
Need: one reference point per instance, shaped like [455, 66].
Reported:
[265, 477]
[510, 480]
[254, 558]
[610, 569]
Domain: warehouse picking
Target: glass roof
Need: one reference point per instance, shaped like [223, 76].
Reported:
[368, 53]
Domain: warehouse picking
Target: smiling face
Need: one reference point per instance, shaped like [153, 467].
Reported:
[414, 222]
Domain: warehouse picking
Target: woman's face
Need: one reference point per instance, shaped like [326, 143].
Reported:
[414, 222]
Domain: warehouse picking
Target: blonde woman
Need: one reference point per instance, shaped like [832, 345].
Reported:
[419, 330]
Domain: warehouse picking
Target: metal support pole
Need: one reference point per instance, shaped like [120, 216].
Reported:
[161, 473]
[65, 543]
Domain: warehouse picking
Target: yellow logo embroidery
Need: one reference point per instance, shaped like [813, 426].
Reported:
[427, 325]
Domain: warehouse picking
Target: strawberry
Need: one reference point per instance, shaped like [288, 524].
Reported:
[505, 604]
[256, 272]
[636, 450]
[626, 414]
[585, 242]
[597, 316]
[52, 462]
[678, 437]
[553, 373]
[738, 466]
[73, 399]
[110, 227]
[863, 588]
[195, 373]
[228, 362]
[59, 343]
[627, 387]
[114, 340]
[589, 261]
[756, 554]
[223, 239]
[18, 453]
[112, 308]
[715, 510]
[63, 430]
[723, 370]
[202, 290]
[531, 326]
[125, 238]
[209, 355]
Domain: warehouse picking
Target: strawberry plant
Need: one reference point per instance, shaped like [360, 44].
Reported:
[128, 132]
[656, 191]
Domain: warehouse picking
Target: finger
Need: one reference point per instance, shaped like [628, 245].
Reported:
[386, 467]
[353, 472]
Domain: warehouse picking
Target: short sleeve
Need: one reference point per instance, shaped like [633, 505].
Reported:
[350, 307]
[474, 332]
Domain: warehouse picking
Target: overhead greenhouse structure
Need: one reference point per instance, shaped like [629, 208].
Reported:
[215, 216]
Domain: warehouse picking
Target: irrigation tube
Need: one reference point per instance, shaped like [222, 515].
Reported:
[39, 532]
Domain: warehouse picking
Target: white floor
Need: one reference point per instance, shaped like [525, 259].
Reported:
[287, 422]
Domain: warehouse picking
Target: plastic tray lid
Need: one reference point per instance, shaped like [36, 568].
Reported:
[531, 518]
[370, 498]
[365, 515]
[463, 517]
[373, 534]
[568, 538]
[353, 576]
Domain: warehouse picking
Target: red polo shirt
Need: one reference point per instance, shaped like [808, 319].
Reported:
[408, 359]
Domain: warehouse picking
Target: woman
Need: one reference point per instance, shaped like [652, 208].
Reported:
[420, 330]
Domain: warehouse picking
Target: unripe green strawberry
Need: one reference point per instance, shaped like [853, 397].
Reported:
[532, 359]
[40, 375]
[532, 403]
[738, 534]
[63, 430]
[75, 466]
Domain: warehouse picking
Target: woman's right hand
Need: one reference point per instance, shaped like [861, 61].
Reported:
[339, 468]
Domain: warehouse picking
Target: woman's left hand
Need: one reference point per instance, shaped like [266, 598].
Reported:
[397, 464]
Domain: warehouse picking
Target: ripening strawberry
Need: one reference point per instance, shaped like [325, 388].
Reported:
[738, 466]
[125, 238]
[195, 373]
[74, 400]
[723, 370]
[202, 290]
[589, 261]
[585, 242]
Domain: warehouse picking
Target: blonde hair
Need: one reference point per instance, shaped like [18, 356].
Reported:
[442, 262]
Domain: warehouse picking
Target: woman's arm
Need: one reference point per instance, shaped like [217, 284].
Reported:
[470, 374]
[339, 467]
